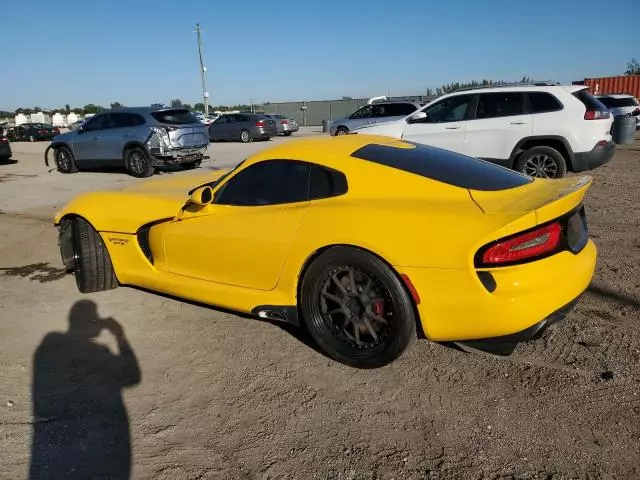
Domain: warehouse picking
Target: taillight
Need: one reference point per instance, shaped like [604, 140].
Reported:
[596, 114]
[170, 128]
[284, 122]
[41, 132]
[522, 247]
[4, 140]
[260, 123]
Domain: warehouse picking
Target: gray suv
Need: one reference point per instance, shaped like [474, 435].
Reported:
[139, 139]
[372, 114]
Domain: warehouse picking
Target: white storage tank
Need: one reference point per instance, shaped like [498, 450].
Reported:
[40, 117]
[59, 120]
[72, 118]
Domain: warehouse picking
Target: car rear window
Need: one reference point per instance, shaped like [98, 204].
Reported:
[444, 166]
[613, 102]
[589, 101]
[178, 116]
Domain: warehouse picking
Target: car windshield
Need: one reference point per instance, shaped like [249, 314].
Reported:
[178, 116]
[613, 102]
[443, 166]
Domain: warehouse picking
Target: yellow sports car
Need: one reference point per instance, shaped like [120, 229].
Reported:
[363, 240]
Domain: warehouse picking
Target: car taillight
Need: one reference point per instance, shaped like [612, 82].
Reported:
[4, 140]
[260, 123]
[284, 122]
[41, 131]
[596, 114]
[170, 128]
[522, 247]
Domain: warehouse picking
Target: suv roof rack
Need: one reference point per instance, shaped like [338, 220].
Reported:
[506, 85]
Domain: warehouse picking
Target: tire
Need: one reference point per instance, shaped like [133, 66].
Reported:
[64, 160]
[287, 134]
[394, 321]
[32, 138]
[92, 264]
[542, 162]
[246, 136]
[138, 163]
[342, 131]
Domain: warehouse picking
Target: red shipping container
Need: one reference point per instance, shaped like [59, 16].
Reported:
[622, 84]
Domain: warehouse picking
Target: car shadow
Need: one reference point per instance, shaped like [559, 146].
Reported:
[298, 332]
[122, 170]
[80, 423]
[8, 161]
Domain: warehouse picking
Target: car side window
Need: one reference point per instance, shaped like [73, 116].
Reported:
[494, 105]
[452, 109]
[326, 182]
[400, 109]
[364, 112]
[271, 182]
[96, 123]
[121, 120]
[542, 102]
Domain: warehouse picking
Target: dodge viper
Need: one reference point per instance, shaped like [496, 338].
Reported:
[365, 241]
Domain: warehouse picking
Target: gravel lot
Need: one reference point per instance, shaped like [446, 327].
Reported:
[207, 394]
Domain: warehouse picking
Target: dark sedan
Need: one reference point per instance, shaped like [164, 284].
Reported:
[5, 148]
[32, 132]
[245, 127]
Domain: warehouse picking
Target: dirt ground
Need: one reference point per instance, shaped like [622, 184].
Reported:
[171, 390]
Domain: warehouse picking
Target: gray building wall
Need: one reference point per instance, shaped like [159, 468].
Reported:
[317, 111]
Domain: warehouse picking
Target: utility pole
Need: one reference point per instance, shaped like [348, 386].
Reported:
[203, 69]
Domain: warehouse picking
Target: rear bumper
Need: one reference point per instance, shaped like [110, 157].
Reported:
[456, 306]
[600, 155]
[290, 128]
[264, 132]
[162, 156]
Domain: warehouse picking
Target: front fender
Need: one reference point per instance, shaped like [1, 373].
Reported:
[121, 212]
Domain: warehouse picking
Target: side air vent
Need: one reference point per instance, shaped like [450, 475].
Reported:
[143, 241]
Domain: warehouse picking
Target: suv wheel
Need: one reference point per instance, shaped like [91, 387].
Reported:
[138, 163]
[64, 160]
[542, 162]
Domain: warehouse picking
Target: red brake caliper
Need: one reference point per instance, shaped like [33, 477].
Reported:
[378, 306]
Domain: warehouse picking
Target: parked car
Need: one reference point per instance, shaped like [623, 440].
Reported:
[621, 104]
[285, 125]
[245, 127]
[372, 114]
[362, 240]
[542, 130]
[139, 139]
[5, 147]
[32, 132]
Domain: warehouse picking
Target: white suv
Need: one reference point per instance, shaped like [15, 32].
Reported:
[541, 130]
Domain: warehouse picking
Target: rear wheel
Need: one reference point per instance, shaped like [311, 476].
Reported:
[192, 165]
[356, 308]
[342, 131]
[64, 160]
[286, 134]
[245, 136]
[138, 163]
[91, 261]
[542, 162]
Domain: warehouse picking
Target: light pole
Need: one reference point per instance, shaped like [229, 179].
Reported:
[203, 69]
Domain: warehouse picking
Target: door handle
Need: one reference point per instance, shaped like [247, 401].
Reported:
[518, 123]
[452, 128]
[128, 134]
[96, 138]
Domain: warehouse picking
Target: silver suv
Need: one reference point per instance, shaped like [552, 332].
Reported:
[139, 139]
[371, 114]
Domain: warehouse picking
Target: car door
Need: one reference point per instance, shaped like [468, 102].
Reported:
[243, 238]
[87, 142]
[499, 123]
[122, 126]
[362, 117]
[444, 125]
[217, 129]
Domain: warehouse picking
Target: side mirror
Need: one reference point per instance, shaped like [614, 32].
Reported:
[418, 116]
[202, 196]
[79, 129]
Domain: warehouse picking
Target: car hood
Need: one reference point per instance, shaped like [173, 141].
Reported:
[126, 210]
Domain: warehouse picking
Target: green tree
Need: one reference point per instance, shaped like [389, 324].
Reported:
[633, 67]
[91, 108]
[176, 102]
[187, 106]
[116, 105]
[198, 107]
[67, 107]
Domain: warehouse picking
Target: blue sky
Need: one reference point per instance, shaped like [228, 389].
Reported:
[138, 51]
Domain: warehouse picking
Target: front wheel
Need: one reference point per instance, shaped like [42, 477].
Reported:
[542, 162]
[138, 163]
[342, 131]
[91, 261]
[192, 165]
[356, 308]
[287, 134]
[64, 160]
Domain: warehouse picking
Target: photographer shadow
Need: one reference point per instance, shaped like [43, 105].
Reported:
[80, 423]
